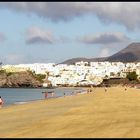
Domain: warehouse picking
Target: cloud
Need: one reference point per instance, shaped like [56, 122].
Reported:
[124, 13]
[13, 58]
[64, 39]
[104, 52]
[2, 37]
[54, 10]
[35, 35]
[104, 38]
[110, 49]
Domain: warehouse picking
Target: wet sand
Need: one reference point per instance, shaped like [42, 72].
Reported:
[115, 113]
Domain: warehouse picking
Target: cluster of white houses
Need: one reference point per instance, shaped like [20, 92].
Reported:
[82, 73]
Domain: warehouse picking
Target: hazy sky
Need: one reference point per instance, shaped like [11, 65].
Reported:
[43, 32]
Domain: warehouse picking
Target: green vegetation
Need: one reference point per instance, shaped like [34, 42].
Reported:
[39, 77]
[31, 72]
[7, 73]
[2, 71]
[132, 76]
[106, 76]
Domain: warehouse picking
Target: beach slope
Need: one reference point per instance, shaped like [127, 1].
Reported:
[115, 113]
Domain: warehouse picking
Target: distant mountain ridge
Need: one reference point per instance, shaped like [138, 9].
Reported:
[129, 54]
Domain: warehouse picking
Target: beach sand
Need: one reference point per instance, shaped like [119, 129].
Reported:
[111, 114]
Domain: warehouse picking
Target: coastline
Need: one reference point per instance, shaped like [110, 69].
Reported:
[78, 90]
[75, 90]
[101, 114]
[81, 90]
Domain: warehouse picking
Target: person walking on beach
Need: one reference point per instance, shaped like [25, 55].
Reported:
[1, 102]
[105, 89]
[125, 87]
[90, 90]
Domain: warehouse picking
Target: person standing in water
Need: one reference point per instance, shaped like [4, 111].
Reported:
[53, 94]
[64, 94]
[1, 102]
[46, 95]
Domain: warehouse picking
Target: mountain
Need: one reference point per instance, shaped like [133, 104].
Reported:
[129, 54]
[73, 60]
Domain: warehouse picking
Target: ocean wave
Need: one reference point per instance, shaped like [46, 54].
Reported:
[20, 102]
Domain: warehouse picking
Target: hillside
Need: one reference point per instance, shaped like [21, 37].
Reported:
[73, 60]
[129, 54]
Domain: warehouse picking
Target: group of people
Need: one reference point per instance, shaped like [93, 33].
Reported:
[91, 89]
[46, 94]
[52, 94]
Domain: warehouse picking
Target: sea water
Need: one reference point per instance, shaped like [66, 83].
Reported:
[23, 95]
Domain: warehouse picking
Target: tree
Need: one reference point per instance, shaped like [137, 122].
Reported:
[40, 77]
[106, 77]
[132, 76]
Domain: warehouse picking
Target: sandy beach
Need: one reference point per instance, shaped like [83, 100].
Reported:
[111, 114]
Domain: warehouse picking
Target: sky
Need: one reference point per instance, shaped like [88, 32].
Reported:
[52, 32]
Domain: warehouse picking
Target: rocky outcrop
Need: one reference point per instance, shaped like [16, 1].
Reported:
[19, 79]
[3, 79]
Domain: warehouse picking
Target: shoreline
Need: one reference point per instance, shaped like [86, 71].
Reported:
[41, 99]
[81, 92]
